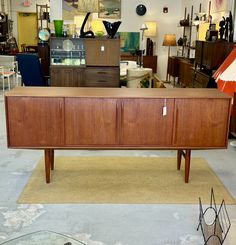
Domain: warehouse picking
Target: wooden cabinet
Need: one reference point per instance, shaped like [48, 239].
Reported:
[198, 52]
[150, 61]
[44, 55]
[233, 118]
[106, 118]
[200, 79]
[102, 52]
[212, 54]
[35, 121]
[208, 57]
[152, 128]
[200, 123]
[66, 76]
[95, 121]
[185, 73]
[92, 62]
[105, 77]
[173, 66]
[193, 118]
[180, 67]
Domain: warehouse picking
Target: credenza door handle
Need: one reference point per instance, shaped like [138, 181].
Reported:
[175, 125]
[121, 120]
[61, 107]
[117, 123]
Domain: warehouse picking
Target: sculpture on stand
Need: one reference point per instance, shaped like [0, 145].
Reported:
[231, 34]
[226, 28]
[86, 34]
[222, 28]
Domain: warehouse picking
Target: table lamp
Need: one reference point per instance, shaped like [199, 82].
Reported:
[97, 27]
[150, 32]
[169, 40]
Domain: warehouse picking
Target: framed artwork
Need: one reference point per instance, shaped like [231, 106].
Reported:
[219, 6]
[70, 8]
[109, 9]
[129, 41]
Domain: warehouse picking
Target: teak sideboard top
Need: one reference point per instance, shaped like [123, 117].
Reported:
[120, 118]
[117, 92]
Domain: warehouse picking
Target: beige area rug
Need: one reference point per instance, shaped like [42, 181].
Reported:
[123, 180]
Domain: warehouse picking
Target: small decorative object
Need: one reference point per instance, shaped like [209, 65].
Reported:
[58, 24]
[184, 22]
[86, 34]
[141, 9]
[3, 17]
[67, 45]
[111, 28]
[44, 35]
[222, 28]
[180, 41]
[185, 40]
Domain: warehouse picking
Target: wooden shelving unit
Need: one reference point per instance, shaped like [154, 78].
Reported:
[43, 16]
[187, 47]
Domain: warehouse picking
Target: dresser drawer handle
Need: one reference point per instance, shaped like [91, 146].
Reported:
[102, 81]
[101, 72]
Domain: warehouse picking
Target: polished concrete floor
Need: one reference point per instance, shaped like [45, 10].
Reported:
[104, 224]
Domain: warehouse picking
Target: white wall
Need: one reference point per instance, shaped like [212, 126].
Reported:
[166, 23]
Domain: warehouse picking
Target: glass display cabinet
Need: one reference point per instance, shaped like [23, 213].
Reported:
[67, 51]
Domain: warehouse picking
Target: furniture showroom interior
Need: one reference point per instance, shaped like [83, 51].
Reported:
[118, 122]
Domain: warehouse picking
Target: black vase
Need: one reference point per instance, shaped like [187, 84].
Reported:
[111, 28]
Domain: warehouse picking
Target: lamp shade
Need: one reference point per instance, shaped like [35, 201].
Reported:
[152, 29]
[143, 27]
[225, 75]
[97, 26]
[169, 40]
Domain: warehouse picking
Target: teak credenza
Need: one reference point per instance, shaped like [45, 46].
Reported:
[117, 118]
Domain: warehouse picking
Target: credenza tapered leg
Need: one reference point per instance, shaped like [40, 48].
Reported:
[187, 164]
[179, 156]
[48, 163]
[52, 158]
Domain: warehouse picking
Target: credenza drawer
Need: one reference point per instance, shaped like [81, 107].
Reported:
[101, 77]
[201, 80]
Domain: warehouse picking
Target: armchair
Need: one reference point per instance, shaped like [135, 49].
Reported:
[30, 69]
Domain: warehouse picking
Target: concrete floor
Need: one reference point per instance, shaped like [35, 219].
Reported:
[104, 224]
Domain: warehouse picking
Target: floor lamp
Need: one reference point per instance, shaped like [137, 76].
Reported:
[143, 28]
[169, 40]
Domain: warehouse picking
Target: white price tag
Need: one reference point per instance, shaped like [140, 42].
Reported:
[164, 111]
